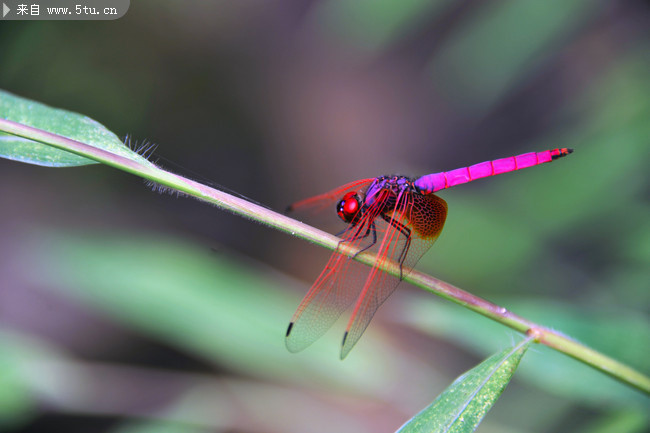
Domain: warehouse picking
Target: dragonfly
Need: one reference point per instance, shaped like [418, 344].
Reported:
[398, 217]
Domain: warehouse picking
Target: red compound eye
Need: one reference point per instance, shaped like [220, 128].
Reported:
[348, 207]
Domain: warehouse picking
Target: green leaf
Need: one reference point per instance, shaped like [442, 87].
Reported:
[18, 405]
[157, 427]
[620, 421]
[462, 406]
[596, 326]
[374, 24]
[497, 43]
[66, 123]
[212, 306]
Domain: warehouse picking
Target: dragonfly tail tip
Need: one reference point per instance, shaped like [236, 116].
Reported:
[559, 153]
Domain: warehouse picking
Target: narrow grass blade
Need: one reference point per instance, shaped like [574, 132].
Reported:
[462, 406]
[57, 121]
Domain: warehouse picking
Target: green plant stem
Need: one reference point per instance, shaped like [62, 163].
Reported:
[541, 334]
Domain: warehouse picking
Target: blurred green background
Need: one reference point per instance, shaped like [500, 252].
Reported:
[123, 310]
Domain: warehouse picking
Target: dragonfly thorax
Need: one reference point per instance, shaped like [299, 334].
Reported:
[383, 192]
[391, 186]
[395, 183]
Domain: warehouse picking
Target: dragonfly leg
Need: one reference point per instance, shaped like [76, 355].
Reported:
[373, 229]
[407, 233]
[355, 236]
[352, 227]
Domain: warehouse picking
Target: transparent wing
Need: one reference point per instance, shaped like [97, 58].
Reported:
[324, 201]
[403, 236]
[335, 289]
[411, 229]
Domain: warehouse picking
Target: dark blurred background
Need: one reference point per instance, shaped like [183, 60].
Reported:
[124, 310]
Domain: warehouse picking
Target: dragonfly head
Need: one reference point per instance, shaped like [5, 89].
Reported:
[349, 208]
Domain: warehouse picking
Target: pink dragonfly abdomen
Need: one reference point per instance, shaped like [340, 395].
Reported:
[435, 182]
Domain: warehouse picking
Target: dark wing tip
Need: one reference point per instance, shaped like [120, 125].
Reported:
[289, 328]
[289, 209]
[344, 352]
